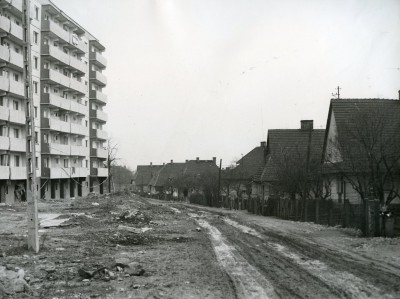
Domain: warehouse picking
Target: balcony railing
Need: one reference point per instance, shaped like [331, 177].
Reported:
[17, 117]
[56, 77]
[55, 29]
[98, 78]
[78, 86]
[60, 102]
[4, 143]
[11, 28]
[99, 115]
[77, 172]
[79, 129]
[55, 53]
[55, 125]
[98, 134]
[15, 4]
[18, 173]
[8, 55]
[98, 59]
[4, 113]
[98, 96]
[78, 43]
[79, 150]
[14, 87]
[99, 172]
[77, 64]
[98, 153]
[17, 145]
[4, 172]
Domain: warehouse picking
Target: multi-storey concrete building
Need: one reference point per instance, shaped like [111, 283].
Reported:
[67, 86]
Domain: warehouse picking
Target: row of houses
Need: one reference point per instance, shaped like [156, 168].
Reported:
[175, 179]
[354, 161]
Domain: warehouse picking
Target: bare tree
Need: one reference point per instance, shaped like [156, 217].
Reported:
[112, 149]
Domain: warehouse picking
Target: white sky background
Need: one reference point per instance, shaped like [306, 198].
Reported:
[205, 78]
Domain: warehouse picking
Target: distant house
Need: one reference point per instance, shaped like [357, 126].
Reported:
[182, 179]
[362, 150]
[144, 174]
[238, 180]
[289, 152]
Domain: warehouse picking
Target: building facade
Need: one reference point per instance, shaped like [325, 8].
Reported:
[67, 86]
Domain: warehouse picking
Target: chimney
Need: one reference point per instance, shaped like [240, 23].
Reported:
[172, 161]
[307, 124]
[263, 144]
[215, 160]
[186, 161]
[151, 163]
[163, 164]
[399, 95]
[197, 159]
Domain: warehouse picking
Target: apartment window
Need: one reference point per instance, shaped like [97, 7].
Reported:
[55, 90]
[86, 163]
[46, 138]
[3, 131]
[16, 161]
[1, 101]
[35, 112]
[86, 143]
[35, 37]
[36, 12]
[35, 60]
[35, 87]
[16, 133]
[65, 95]
[4, 160]
[36, 137]
[46, 89]
[46, 65]
[37, 162]
[15, 105]
[85, 103]
[86, 123]
[46, 162]
[65, 163]
[16, 49]
[46, 17]
[4, 73]
[16, 77]
[65, 140]
[57, 161]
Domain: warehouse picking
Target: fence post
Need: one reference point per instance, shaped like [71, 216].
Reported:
[366, 218]
[305, 209]
[317, 210]
[346, 211]
[330, 220]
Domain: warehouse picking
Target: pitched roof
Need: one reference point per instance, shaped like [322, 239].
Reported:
[362, 118]
[172, 171]
[289, 141]
[248, 166]
[144, 173]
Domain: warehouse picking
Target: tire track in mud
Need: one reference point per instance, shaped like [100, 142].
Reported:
[247, 281]
[342, 283]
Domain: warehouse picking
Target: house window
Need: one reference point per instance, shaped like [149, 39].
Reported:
[46, 138]
[35, 37]
[86, 163]
[65, 163]
[35, 112]
[35, 87]
[35, 59]
[36, 137]
[15, 105]
[37, 162]
[16, 133]
[16, 161]
[16, 77]
[4, 160]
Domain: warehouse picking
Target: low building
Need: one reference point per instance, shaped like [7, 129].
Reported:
[144, 174]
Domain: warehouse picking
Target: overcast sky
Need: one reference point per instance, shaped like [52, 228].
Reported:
[205, 78]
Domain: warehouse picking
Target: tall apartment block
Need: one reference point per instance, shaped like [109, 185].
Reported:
[67, 85]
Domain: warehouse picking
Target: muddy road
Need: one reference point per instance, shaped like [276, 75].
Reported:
[272, 262]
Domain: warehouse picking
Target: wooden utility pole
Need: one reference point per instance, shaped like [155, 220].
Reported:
[219, 181]
[31, 190]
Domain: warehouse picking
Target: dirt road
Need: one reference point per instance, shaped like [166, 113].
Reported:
[189, 251]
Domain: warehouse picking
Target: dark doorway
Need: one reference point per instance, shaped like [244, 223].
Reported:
[72, 188]
[101, 186]
[53, 186]
[80, 188]
[62, 190]
[3, 187]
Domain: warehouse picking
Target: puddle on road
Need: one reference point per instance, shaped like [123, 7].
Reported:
[249, 283]
[352, 285]
[49, 220]
[175, 210]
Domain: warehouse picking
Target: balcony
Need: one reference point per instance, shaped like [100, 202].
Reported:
[79, 45]
[17, 145]
[79, 151]
[55, 30]
[98, 134]
[4, 143]
[98, 153]
[99, 172]
[62, 103]
[12, 86]
[56, 172]
[98, 96]
[4, 113]
[97, 59]
[56, 77]
[13, 30]
[77, 172]
[55, 125]
[17, 117]
[78, 86]
[55, 149]
[18, 173]
[14, 5]
[79, 129]
[98, 78]
[77, 64]
[12, 58]
[98, 115]
[4, 172]
[55, 53]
